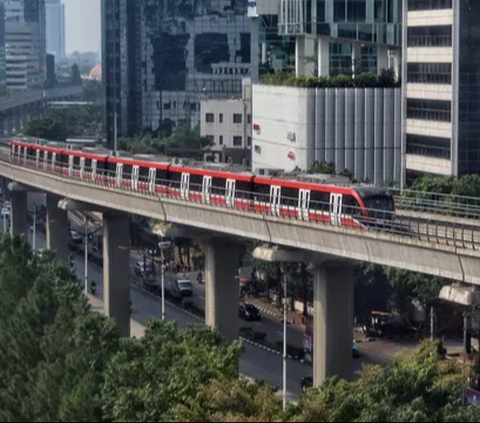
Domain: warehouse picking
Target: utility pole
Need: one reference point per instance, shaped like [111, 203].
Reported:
[163, 245]
[34, 236]
[86, 254]
[284, 342]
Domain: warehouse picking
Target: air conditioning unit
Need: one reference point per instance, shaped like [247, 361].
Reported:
[178, 161]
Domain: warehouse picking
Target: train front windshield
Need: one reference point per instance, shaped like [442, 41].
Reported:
[380, 207]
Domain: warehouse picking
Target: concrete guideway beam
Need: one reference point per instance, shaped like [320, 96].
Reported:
[72, 205]
[404, 252]
[332, 322]
[222, 259]
[116, 269]
[57, 228]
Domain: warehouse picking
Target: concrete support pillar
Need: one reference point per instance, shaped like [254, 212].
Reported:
[57, 228]
[18, 216]
[382, 58]
[323, 56]
[356, 59]
[300, 56]
[116, 269]
[333, 322]
[221, 286]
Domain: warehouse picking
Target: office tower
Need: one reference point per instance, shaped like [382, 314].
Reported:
[2, 48]
[55, 28]
[441, 95]
[167, 57]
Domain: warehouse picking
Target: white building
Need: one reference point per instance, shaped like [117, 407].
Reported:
[228, 123]
[55, 28]
[356, 129]
[14, 10]
[24, 69]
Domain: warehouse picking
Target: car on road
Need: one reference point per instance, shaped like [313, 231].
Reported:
[249, 312]
[77, 237]
[181, 287]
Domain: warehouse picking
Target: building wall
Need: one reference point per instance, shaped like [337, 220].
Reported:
[55, 28]
[23, 56]
[223, 129]
[2, 48]
[358, 129]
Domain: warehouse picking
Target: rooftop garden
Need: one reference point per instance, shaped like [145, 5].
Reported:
[386, 79]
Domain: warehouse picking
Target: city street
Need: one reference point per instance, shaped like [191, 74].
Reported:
[256, 363]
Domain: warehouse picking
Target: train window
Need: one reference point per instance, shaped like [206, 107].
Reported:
[143, 173]
[289, 197]
[161, 177]
[319, 201]
[262, 192]
[196, 182]
[243, 190]
[127, 171]
[175, 178]
[218, 186]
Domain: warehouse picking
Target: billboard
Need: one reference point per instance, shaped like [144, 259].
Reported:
[252, 9]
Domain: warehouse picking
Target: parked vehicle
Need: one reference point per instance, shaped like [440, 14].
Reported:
[249, 312]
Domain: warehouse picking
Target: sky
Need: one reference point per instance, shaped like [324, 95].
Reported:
[82, 25]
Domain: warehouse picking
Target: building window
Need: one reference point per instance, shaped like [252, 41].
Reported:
[209, 117]
[237, 141]
[430, 36]
[436, 110]
[428, 146]
[258, 149]
[429, 73]
[429, 4]
[220, 139]
[249, 118]
[237, 118]
[249, 141]
[220, 117]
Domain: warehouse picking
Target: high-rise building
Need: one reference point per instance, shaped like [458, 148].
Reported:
[442, 87]
[2, 48]
[23, 67]
[55, 28]
[333, 36]
[25, 23]
[169, 56]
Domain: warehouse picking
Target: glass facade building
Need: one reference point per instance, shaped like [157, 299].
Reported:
[173, 55]
[442, 90]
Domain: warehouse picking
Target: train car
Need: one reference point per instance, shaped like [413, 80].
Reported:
[310, 197]
[212, 183]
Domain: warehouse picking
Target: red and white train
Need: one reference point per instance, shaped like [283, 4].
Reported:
[297, 196]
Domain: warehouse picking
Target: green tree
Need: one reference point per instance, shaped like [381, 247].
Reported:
[230, 400]
[53, 347]
[150, 376]
[49, 127]
[422, 388]
[323, 167]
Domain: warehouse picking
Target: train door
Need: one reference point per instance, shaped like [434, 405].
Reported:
[185, 186]
[230, 193]
[54, 161]
[336, 209]
[135, 176]
[119, 175]
[152, 176]
[82, 167]
[275, 198]
[37, 158]
[94, 170]
[207, 189]
[304, 204]
[25, 152]
[45, 160]
[70, 165]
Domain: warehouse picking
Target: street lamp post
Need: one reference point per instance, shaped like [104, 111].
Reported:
[163, 245]
[34, 236]
[86, 254]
